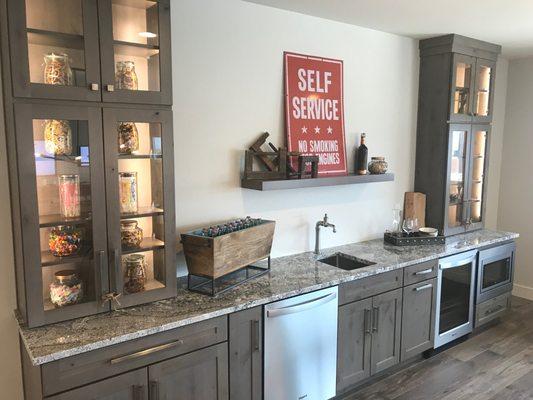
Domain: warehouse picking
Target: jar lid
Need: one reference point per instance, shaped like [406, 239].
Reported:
[56, 55]
[128, 223]
[72, 176]
[125, 63]
[134, 258]
[378, 158]
[65, 275]
[128, 174]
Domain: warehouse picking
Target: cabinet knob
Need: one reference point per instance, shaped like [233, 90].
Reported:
[95, 87]
[110, 88]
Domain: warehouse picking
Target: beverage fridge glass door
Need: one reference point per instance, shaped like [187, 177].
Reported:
[455, 297]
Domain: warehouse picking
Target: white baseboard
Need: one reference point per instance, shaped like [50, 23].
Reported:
[525, 292]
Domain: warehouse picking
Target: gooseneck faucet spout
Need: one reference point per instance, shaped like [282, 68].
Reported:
[325, 224]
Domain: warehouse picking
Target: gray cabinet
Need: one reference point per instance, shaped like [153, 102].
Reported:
[418, 318]
[246, 354]
[454, 114]
[200, 375]
[368, 337]
[130, 386]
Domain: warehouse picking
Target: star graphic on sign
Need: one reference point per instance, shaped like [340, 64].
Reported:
[317, 129]
[304, 129]
[330, 129]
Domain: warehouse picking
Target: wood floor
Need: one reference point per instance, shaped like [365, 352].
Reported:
[496, 364]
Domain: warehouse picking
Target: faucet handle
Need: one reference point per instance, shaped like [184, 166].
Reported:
[326, 217]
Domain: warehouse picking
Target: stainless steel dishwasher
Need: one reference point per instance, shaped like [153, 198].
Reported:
[301, 347]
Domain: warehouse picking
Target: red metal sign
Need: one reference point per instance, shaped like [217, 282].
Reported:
[314, 105]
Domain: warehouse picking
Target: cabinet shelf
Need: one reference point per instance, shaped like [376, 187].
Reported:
[48, 259]
[140, 156]
[52, 38]
[264, 185]
[48, 221]
[143, 212]
[135, 49]
[148, 244]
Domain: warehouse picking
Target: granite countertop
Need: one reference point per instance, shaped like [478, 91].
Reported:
[289, 276]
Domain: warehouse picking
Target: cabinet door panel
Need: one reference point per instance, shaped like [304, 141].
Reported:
[462, 88]
[200, 375]
[418, 318]
[245, 354]
[386, 326]
[484, 90]
[135, 51]
[130, 386]
[477, 176]
[63, 206]
[353, 343]
[140, 204]
[65, 33]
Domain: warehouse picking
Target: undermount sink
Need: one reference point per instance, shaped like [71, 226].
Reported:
[345, 262]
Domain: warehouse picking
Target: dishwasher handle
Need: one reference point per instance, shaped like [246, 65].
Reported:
[303, 306]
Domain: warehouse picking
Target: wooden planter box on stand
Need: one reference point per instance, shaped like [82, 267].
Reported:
[209, 259]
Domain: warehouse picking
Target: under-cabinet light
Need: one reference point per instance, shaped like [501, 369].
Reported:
[147, 34]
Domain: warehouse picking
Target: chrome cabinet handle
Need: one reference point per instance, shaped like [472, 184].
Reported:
[306, 305]
[154, 390]
[424, 272]
[494, 309]
[424, 287]
[375, 319]
[255, 335]
[367, 321]
[146, 352]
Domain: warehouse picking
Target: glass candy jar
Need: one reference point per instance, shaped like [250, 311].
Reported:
[128, 138]
[125, 76]
[57, 70]
[134, 273]
[131, 235]
[66, 289]
[57, 137]
[378, 165]
[64, 241]
[69, 196]
[128, 192]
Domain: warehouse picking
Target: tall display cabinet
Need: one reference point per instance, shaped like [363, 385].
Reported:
[455, 109]
[87, 92]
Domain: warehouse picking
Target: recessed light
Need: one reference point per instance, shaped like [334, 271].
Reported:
[147, 34]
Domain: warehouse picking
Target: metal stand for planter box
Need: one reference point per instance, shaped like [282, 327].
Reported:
[208, 285]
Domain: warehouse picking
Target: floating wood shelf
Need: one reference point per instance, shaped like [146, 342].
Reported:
[258, 184]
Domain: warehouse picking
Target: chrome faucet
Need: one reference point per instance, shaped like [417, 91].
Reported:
[325, 224]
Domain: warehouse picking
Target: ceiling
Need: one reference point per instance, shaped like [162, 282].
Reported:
[508, 23]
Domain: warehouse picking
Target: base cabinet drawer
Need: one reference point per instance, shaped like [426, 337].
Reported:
[492, 309]
[130, 386]
[418, 318]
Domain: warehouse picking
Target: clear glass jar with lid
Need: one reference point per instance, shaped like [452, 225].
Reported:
[66, 289]
[57, 70]
[131, 235]
[134, 273]
[125, 76]
[128, 192]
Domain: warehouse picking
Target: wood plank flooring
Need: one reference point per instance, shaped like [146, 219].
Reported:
[495, 364]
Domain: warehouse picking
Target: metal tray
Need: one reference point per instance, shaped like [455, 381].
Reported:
[402, 239]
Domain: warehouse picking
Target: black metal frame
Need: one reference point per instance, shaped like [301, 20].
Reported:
[213, 292]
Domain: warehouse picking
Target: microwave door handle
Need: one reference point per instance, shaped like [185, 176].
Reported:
[304, 306]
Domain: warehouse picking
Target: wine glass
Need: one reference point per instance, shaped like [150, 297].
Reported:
[408, 226]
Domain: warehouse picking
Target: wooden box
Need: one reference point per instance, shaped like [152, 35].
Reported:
[214, 257]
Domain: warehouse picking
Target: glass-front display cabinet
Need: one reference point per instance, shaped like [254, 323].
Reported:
[466, 177]
[472, 89]
[97, 209]
[95, 50]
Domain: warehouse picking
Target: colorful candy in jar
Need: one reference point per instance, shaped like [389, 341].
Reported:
[57, 137]
[128, 138]
[128, 192]
[57, 70]
[64, 241]
[69, 196]
[67, 289]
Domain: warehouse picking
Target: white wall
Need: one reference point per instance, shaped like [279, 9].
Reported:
[228, 88]
[516, 190]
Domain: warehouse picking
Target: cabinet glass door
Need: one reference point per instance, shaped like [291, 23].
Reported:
[455, 297]
[457, 177]
[60, 162]
[477, 178]
[484, 90]
[462, 88]
[55, 53]
[141, 217]
[135, 37]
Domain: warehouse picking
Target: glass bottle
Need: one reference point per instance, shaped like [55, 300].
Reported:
[69, 196]
[57, 137]
[361, 158]
[57, 70]
[66, 289]
[128, 192]
[128, 138]
[126, 77]
[131, 235]
[134, 273]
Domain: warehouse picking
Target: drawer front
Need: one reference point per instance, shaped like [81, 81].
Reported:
[371, 286]
[98, 364]
[492, 309]
[420, 272]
